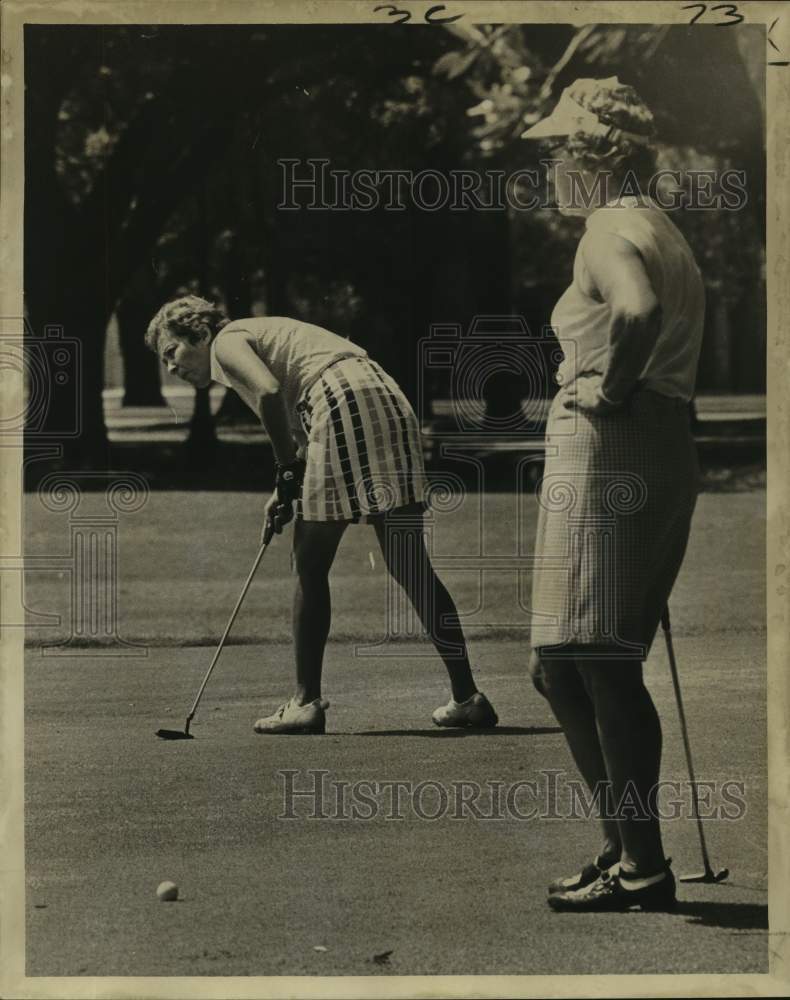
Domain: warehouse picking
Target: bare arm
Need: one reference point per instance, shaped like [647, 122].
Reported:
[619, 275]
[246, 370]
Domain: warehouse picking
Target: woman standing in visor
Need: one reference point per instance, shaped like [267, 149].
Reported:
[620, 481]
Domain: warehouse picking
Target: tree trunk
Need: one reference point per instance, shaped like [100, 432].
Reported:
[141, 367]
[68, 320]
[503, 391]
[238, 296]
[722, 358]
[202, 439]
[69, 324]
[202, 433]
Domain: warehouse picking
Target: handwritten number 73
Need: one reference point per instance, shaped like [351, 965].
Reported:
[730, 9]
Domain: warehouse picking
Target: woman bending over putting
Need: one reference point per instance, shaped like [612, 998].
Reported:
[347, 447]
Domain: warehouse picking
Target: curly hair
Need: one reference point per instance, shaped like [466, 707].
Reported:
[186, 318]
[617, 104]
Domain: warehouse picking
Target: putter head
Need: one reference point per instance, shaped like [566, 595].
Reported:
[707, 876]
[173, 734]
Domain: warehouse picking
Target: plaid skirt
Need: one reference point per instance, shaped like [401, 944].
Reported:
[615, 507]
[364, 454]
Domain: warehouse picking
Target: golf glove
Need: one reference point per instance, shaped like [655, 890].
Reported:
[276, 516]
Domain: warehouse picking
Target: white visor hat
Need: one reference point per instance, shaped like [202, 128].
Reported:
[570, 117]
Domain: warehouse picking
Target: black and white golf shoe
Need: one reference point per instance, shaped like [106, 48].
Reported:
[611, 893]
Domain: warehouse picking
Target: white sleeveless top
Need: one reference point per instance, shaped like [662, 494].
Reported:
[582, 324]
[294, 352]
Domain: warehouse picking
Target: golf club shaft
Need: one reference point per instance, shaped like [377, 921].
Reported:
[684, 730]
[264, 544]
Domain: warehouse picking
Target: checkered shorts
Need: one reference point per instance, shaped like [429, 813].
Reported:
[616, 502]
[364, 455]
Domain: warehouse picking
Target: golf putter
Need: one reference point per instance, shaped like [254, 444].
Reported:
[177, 734]
[708, 874]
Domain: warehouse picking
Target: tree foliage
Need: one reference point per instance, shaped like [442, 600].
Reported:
[153, 156]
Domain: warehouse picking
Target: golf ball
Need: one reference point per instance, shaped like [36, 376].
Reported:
[166, 892]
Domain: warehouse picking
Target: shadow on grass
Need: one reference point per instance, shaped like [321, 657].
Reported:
[734, 916]
[444, 734]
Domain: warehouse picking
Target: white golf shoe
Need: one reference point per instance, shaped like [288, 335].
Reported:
[293, 718]
[476, 712]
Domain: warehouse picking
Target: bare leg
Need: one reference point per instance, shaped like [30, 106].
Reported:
[561, 684]
[630, 737]
[315, 545]
[403, 547]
